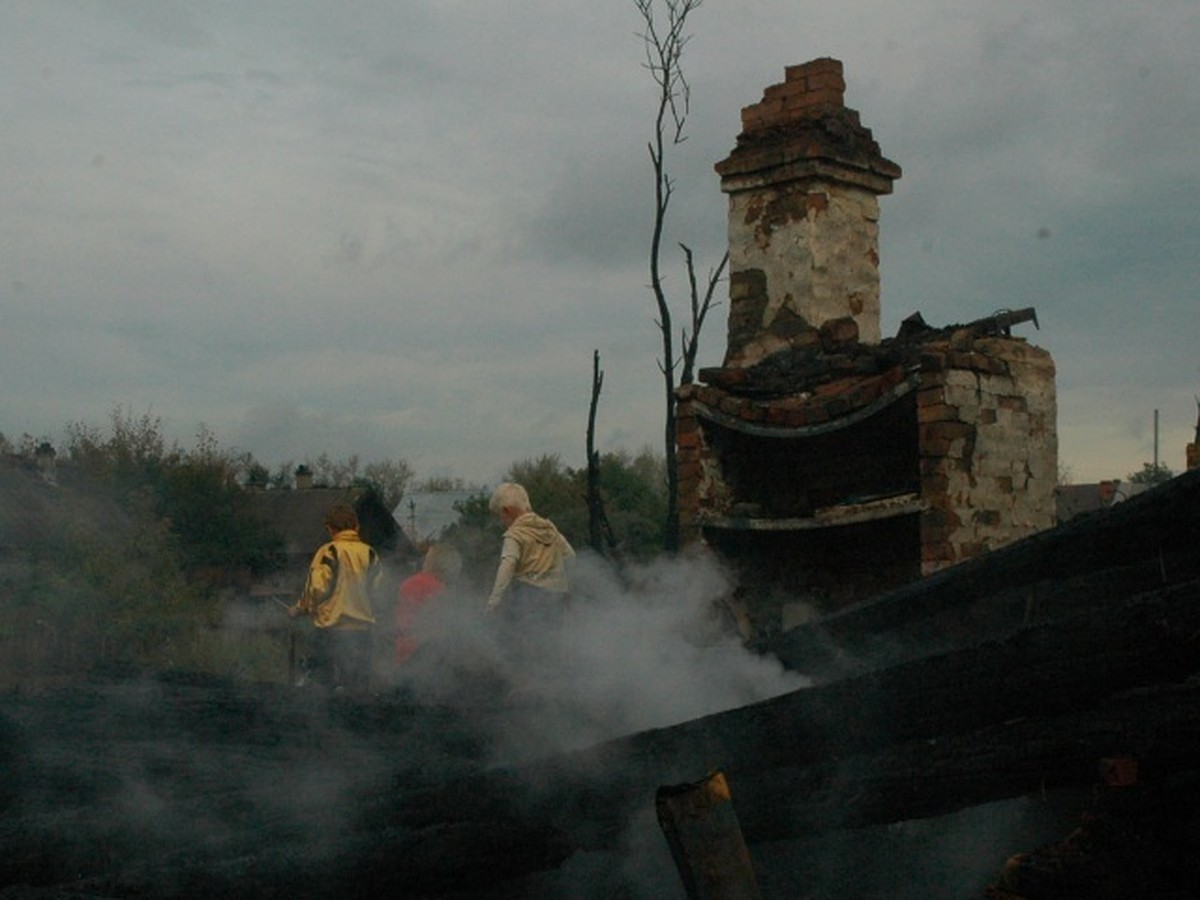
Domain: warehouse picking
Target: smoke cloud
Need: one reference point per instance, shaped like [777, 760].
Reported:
[192, 784]
[644, 649]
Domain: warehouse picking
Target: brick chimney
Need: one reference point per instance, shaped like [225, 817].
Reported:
[44, 456]
[823, 464]
[803, 185]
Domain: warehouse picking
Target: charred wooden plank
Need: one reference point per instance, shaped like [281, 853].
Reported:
[1159, 725]
[1099, 560]
[706, 842]
[931, 733]
[1044, 671]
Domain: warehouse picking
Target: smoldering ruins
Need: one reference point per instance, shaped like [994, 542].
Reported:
[920, 684]
[828, 463]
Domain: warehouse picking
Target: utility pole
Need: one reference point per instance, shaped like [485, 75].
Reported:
[1156, 440]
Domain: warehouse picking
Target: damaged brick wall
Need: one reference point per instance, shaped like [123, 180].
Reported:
[989, 449]
[825, 463]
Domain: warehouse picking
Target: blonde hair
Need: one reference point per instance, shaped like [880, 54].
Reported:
[509, 495]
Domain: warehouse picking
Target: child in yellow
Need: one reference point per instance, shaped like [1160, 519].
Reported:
[337, 597]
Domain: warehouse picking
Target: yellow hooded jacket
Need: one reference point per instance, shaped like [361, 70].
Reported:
[341, 577]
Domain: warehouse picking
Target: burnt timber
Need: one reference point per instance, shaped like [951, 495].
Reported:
[1091, 563]
[1004, 676]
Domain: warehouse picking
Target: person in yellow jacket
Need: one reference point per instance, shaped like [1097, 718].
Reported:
[337, 597]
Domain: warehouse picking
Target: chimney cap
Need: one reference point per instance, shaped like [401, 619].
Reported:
[802, 128]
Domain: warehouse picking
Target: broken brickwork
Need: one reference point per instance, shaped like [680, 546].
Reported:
[825, 462]
[803, 185]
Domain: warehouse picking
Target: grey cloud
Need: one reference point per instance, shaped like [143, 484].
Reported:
[456, 196]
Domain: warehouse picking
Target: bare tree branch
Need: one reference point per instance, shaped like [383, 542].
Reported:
[664, 52]
[700, 310]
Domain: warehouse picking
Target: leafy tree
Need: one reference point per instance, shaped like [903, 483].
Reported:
[328, 472]
[476, 536]
[107, 589]
[141, 583]
[196, 493]
[28, 444]
[1152, 473]
[258, 476]
[634, 490]
[390, 479]
[474, 511]
[133, 452]
[211, 516]
[282, 478]
[635, 500]
[555, 491]
[445, 483]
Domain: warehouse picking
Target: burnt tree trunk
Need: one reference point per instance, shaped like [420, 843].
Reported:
[594, 503]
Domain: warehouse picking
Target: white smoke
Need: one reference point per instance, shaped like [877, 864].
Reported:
[645, 650]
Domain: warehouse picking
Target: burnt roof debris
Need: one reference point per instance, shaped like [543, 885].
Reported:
[818, 356]
[298, 515]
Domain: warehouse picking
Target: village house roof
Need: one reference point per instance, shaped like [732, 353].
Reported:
[38, 507]
[299, 517]
[1076, 499]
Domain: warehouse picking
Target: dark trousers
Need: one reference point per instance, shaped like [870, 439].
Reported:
[532, 619]
[341, 658]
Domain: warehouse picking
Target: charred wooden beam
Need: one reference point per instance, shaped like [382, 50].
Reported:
[930, 735]
[999, 717]
[882, 721]
[1160, 726]
[1002, 322]
[706, 842]
[1100, 560]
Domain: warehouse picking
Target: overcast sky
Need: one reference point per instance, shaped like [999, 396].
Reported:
[401, 228]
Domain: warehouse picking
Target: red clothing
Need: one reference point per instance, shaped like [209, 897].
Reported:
[414, 592]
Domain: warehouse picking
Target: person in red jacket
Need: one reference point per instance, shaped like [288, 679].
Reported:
[438, 567]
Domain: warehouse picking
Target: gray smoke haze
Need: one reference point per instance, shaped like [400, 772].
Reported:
[174, 786]
[645, 651]
[651, 650]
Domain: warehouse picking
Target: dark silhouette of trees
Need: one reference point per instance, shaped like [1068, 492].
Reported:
[196, 493]
[1152, 473]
